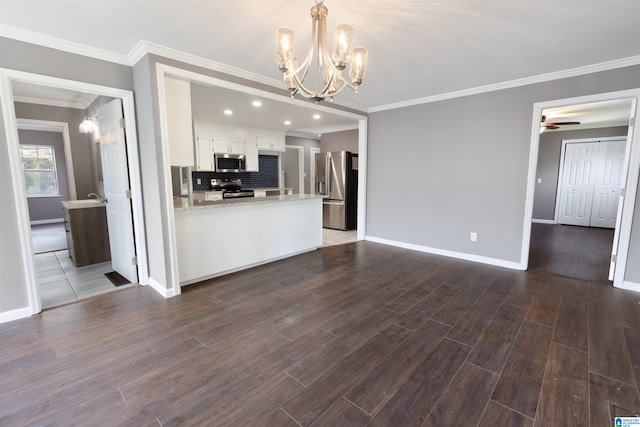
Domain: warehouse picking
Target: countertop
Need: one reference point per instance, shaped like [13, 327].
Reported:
[183, 203]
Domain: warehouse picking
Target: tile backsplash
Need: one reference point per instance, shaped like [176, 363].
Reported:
[266, 177]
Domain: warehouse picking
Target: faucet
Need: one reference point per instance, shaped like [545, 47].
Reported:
[95, 196]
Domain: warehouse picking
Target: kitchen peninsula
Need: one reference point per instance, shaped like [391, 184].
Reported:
[214, 238]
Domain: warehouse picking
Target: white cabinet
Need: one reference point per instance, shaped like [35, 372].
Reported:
[179, 126]
[229, 145]
[252, 156]
[270, 143]
[204, 154]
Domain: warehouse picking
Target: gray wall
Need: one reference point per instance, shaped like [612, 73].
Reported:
[49, 207]
[80, 142]
[549, 152]
[454, 171]
[340, 141]
[307, 143]
[39, 60]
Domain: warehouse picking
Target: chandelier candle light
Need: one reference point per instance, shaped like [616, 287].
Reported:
[326, 68]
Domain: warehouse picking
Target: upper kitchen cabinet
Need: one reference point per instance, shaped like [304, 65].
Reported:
[204, 154]
[229, 145]
[270, 143]
[252, 156]
[179, 125]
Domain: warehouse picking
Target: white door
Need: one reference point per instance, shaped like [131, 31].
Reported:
[576, 195]
[608, 183]
[117, 192]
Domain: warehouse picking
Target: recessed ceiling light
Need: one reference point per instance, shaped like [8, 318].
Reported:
[228, 112]
[316, 116]
[287, 122]
[256, 103]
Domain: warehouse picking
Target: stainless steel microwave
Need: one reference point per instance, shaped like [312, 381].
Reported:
[225, 162]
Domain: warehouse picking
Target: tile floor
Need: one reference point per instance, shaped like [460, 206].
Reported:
[60, 282]
[337, 237]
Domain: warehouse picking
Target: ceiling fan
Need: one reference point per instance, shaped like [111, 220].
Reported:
[555, 125]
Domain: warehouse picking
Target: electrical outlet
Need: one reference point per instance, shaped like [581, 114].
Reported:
[473, 237]
[198, 181]
[539, 180]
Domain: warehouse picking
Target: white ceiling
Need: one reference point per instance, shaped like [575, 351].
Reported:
[417, 48]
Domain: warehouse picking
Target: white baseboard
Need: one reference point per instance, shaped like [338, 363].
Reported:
[451, 254]
[543, 221]
[47, 221]
[156, 286]
[10, 315]
[630, 286]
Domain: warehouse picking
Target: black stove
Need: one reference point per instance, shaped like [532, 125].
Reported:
[231, 188]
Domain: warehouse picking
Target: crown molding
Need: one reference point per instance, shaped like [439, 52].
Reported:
[144, 47]
[541, 78]
[49, 102]
[64, 45]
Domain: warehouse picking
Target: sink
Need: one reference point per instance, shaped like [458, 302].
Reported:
[80, 204]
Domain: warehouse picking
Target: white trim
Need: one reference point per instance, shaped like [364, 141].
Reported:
[60, 44]
[312, 169]
[20, 313]
[47, 221]
[362, 179]
[543, 221]
[156, 286]
[540, 78]
[161, 71]
[49, 102]
[633, 168]
[10, 122]
[630, 286]
[62, 127]
[451, 254]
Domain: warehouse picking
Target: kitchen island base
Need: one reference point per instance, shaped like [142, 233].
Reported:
[219, 239]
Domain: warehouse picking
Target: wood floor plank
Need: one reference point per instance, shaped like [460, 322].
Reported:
[608, 353]
[422, 311]
[319, 396]
[605, 394]
[413, 402]
[277, 418]
[464, 399]
[469, 329]
[521, 378]
[496, 342]
[497, 415]
[632, 337]
[374, 390]
[543, 308]
[455, 308]
[343, 413]
[564, 399]
[572, 325]
[307, 369]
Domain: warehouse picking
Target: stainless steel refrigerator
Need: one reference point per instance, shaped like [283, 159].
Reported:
[337, 180]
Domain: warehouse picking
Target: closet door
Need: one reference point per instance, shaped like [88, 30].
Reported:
[607, 184]
[576, 194]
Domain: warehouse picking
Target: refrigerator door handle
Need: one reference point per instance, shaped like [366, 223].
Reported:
[333, 202]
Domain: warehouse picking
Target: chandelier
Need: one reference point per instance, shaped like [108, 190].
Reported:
[321, 67]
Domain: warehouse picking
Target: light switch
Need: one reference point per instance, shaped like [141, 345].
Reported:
[539, 180]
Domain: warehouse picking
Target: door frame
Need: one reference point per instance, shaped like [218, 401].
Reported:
[163, 70]
[566, 142]
[300, 149]
[20, 199]
[631, 170]
[312, 168]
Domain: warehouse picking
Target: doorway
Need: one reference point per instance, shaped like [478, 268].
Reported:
[7, 77]
[292, 163]
[619, 243]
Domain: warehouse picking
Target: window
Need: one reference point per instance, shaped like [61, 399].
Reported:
[39, 167]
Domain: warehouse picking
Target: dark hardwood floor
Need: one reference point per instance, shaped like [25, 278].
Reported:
[351, 335]
[572, 251]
